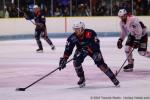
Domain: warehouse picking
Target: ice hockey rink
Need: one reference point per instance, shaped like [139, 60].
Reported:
[20, 65]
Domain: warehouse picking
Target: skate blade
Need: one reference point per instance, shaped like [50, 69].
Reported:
[39, 51]
[117, 86]
[82, 85]
[128, 70]
[53, 48]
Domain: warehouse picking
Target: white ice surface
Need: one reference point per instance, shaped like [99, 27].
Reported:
[20, 65]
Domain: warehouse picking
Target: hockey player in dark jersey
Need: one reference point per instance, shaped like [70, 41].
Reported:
[87, 44]
[40, 30]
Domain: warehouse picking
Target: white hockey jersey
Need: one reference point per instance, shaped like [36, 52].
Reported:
[133, 27]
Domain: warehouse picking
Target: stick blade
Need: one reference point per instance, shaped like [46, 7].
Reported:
[20, 89]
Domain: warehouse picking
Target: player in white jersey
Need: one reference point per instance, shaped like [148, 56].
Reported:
[137, 37]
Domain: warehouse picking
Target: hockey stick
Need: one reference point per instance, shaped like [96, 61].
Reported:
[23, 89]
[117, 72]
[24, 15]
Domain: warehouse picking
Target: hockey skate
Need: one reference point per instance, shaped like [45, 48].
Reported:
[81, 82]
[116, 82]
[39, 50]
[52, 47]
[128, 68]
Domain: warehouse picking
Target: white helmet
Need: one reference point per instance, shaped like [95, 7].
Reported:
[78, 24]
[122, 12]
[35, 6]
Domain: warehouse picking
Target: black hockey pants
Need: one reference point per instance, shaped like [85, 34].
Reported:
[38, 34]
[99, 61]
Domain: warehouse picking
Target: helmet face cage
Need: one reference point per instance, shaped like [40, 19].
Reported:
[122, 12]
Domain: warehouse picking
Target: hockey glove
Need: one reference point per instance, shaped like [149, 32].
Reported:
[119, 43]
[136, 44]
[62, 63]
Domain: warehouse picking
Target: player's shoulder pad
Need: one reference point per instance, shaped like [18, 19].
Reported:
[134, 19]
[91, 31]
[72, 38]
